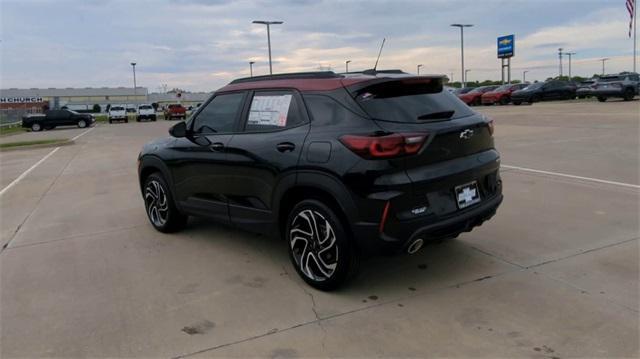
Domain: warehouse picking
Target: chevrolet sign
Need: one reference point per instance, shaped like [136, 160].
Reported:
[506, 46]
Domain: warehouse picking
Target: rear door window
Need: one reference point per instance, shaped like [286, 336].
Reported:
[272, 111]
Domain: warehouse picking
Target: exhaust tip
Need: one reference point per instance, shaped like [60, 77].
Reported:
[415, 246]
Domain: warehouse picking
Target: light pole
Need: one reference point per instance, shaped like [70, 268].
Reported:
[465, 76]
[418, 68]
[462, 26]
[346, 66]
[560, 59]
[569, 54]
[603, 60]
[524, 76]
[251, 68]
[135, 100]
[268, 23]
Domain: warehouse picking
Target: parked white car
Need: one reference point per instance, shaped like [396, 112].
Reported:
[118, 113]
[146, 112]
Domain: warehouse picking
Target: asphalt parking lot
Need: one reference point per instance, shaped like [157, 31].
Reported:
[554, 274]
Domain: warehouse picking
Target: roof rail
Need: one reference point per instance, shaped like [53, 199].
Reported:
[373, 72]
[289, 76]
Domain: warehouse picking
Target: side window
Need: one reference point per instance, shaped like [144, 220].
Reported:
[273, 110]
[327, 111]
[219, 115]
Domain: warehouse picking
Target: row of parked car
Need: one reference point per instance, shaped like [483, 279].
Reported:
[146, 113]
[625, 85]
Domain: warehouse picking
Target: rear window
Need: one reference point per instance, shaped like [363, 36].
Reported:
[410, 104]
[117, 108]
[145, 107]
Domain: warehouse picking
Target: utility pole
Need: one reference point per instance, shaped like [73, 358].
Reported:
[418, 68]
[135, 99]
[603, 60]
[462, 26]
[524, 76]
[251, 68]
[268, 23]
[346, 66]
[560, 60]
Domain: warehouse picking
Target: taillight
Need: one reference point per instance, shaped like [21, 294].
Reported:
[386, 146]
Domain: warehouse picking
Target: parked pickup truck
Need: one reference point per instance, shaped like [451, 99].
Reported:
[146, 112]
[53, 118]
[176, 111]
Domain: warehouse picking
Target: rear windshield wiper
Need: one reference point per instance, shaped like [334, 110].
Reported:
[437, 115]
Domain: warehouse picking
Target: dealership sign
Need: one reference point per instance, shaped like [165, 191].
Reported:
[506, 46]
[33, 99]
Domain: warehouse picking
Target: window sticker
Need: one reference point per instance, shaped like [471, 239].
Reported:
[269, 110]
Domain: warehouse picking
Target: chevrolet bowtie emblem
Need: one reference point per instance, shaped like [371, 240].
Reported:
[466, 134]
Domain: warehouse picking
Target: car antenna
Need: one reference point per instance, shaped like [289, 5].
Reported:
[379, 53]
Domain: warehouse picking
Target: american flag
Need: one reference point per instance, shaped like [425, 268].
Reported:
[631, 4]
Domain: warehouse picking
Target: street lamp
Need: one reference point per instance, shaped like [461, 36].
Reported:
[569, 54]
[524, 76]
[462, 26]
[251, 68]
[346, 66]
[135, 100]
[603, 60]
[418, 67]
[268, 23]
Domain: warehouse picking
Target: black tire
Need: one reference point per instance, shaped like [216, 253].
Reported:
[163, 214]
[36, 127]
[82, 124]
[504, 100]
[110, 121]
[477, 102]
[629, 94]
[126, 120]
[326, 266]
[535, 98]
[602, 99]
[517, 103]
[49, 127]
[137, 119]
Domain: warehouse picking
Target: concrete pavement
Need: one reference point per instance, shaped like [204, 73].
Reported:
[554, 274]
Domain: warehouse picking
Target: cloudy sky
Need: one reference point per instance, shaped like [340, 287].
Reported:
[203, 44]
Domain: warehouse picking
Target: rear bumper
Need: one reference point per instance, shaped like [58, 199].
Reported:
[144, 117]
[441, 217]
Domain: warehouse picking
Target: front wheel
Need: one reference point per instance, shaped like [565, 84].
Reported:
[161, 210]
[629, 94]
[602, 99]
[319, 246]
[36, 127]
[504, 100]
[517, 103]
[82, 124]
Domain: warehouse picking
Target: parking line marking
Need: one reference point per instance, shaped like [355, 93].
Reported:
[25, 173]
[629, 185]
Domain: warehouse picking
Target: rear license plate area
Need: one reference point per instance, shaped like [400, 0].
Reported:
[467, 194]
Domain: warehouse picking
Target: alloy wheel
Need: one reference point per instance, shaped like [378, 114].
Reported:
[314, 245]
[157, 203]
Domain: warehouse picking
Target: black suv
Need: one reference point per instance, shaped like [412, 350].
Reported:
[340, 166]
[545, 91]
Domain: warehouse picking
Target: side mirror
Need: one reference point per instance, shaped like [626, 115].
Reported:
[179, 129]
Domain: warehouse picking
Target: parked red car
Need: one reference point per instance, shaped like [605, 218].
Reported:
[474, 97]
[501, 95]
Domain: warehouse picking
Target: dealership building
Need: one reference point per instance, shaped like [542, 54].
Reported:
[15, 102]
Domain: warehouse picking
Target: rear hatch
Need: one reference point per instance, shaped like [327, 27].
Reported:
[418, 104]
[459, 147]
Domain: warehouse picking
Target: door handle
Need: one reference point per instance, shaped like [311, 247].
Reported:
[217, 146]
[285, 146]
